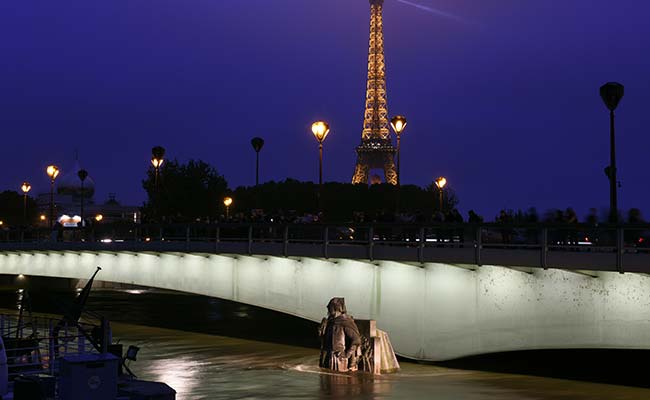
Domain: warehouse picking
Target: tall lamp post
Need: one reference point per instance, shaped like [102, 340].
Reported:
[82, 174]
[440, 184]
[52, 172]
[26, 187]
[320, 129]
[398, 123]
[612, 93]
[227, 201]
[157, 159]
[257, 143]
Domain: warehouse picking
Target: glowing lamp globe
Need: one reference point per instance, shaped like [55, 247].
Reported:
[441, 182]
[26, 187]
[320, 129]
[157, 156]
[52, 171]
[398, 123]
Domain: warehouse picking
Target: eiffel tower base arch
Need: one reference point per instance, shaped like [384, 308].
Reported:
[369, 161]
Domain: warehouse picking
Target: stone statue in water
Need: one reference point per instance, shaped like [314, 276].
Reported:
[340, 338]
[349, 345]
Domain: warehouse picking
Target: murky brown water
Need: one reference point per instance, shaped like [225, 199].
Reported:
[215, 365]
[201, 366]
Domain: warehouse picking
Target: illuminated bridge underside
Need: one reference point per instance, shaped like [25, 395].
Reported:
[432, 312]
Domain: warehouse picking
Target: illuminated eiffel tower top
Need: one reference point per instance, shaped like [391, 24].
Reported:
[375, 121]
[376, 149]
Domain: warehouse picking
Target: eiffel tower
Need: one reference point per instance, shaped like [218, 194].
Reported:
[376, 150]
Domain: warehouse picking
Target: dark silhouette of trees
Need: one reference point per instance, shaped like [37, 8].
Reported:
[449, 198]
[341, 201]
[186, 192]
[11, 209]
[273, 197]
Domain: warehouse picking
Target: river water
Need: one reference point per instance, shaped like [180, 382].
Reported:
[211, 349]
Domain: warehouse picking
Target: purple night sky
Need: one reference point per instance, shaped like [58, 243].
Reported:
[501, 96]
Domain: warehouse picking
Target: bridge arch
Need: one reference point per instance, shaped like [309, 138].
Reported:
[433, 311]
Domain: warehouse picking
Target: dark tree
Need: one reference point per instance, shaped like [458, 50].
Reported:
[341, 201]
[449, 198]
[279, 197]
[11, 209]
[187, 192]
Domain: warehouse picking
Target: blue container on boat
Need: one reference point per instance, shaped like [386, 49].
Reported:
[88, 377]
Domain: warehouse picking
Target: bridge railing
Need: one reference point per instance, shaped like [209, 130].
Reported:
[577, 246]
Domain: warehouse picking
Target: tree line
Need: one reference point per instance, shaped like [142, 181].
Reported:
[194, 191]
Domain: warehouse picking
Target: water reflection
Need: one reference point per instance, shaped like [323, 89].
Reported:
[181, 373]
[135, 291]
[345, 386]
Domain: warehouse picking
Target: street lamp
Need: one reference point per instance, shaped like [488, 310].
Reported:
[612, 93]
[398, 123]
[440, 183]
[157, 159]
[52, 172]
[99, 217]
[320, 129]
[227, 201]
[257, 143]
[26, 187]
[82, 174]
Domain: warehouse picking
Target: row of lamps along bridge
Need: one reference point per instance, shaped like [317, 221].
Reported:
[611, 93]
[53, 172]
[320, 129]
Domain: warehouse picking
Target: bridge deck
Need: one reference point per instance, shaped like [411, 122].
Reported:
[606, 248]
[425, 293]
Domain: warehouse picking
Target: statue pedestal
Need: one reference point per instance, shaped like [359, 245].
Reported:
[377, 354]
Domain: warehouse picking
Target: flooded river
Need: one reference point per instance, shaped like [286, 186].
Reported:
[201, 366]
[211, 349]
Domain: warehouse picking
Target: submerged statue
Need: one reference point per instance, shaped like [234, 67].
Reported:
[347, 345]
[340, 338]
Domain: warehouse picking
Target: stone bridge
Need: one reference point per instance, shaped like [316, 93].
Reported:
[432, 310]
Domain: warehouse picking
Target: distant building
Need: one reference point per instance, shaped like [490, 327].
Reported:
[67, 202]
